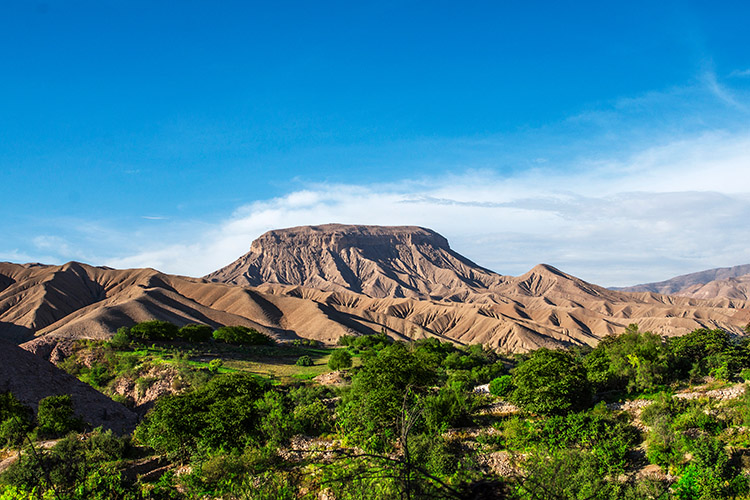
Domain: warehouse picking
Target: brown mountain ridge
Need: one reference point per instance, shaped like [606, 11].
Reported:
[730, 282]
[323, 282]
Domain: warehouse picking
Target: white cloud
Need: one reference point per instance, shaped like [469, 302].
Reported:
[667, 210]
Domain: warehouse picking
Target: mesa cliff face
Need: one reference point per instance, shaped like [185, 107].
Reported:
[378, 261]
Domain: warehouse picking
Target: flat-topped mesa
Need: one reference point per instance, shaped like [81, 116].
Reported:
[336, 237]
[379, 261]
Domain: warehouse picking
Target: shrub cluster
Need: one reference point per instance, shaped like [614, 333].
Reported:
[148, 331]
[231, 412]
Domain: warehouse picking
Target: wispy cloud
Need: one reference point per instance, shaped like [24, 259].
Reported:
[720, 91]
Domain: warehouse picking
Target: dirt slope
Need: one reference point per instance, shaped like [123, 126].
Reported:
[31, 378]
[733, 288]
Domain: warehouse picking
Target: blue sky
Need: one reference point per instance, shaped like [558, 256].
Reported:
[609, 139]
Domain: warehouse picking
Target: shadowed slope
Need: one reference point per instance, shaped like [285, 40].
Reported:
[31, 378]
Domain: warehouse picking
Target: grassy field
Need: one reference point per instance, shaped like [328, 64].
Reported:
[277, 361]
[101, 365]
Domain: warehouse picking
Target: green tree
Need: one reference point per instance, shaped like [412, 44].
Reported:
[241, 335]
[550, 382]
[55, 416]
[154, 330]
[340, 360]
[501, 386]
[702, 352]
[372, 410]
[220, 414]
[634, 361]
[121, 339]
[15, 419]
[196, 333]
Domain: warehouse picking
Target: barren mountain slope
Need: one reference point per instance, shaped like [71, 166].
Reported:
[733, 288]
[379, 261]
[542, 307]
[687, 284]
[31, 378]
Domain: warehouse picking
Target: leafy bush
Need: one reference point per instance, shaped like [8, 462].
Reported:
[564, 474]
[634, 361]
[663, 447]
[275, 418]
[196, 333]
[214, 365]
[79, 467]
[711, 474]
[450, 407]
[550, 382]
[97, 375]
[312, 419]
[15, 419]
[220, 414]
[55, 416]
[304, 360]
[501, 386]
[121, 339]
[607, 437]
[696, 418]
[241, 335]
[340, 359]
[154, 330]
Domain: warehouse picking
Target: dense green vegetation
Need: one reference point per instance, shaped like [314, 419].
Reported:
[54, 419]
[407, 423]
[15, 420]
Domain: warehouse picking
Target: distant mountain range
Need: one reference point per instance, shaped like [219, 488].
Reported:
[730, 282]
[322, 282]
